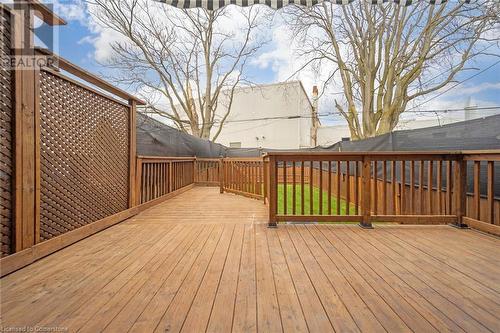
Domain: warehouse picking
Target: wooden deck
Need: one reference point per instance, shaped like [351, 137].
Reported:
[207, 262]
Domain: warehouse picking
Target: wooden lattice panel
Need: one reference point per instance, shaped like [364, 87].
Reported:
[6, 138]
[84, 156]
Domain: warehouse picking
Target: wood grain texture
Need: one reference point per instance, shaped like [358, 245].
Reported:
[205, 261]
[7, 140]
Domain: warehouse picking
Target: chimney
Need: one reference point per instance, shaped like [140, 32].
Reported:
[315, 119]
[315, 92]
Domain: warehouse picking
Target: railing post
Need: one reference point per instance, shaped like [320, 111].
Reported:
[460, 190]
[138, 181]
[221, 175]
[265, 166]
[273, 195]
[366, 198]
[132, 152]
[196, 177]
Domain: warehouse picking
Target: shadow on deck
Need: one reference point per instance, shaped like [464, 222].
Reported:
[207, 262]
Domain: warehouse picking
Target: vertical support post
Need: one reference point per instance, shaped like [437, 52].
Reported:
[460, 190]
[138, 182]
[27, 132]
[195, 171]
[132, 200]
[366, 199]
[221, 175]
[37, 145]
[273, 195]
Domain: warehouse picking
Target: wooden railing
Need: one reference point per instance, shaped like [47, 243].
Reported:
[398, 187]
[482, 207]
[372, 187]
[158, 176]
[207, 171]
[244, 176]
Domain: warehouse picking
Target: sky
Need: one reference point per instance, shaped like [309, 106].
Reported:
[84, 43]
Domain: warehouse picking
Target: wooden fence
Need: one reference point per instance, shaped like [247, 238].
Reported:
[367, 187]
[70, 161]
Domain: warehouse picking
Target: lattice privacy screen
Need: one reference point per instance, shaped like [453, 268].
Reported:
[84, 156]
[6, 137]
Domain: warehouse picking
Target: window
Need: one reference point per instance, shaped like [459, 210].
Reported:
[235, 145]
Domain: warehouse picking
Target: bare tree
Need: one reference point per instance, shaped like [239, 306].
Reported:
[387, 55]
[190, 57]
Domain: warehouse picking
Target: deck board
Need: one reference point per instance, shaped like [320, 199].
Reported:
[203, 261]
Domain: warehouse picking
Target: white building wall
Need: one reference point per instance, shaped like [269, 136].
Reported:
[274, 103]
[329, 135]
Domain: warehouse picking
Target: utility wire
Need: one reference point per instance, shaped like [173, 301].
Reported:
[455, 85]
[338, 113]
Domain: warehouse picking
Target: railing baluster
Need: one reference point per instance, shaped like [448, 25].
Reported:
[460, 190]
[320, 187]
[329, 187]
[356, 189]
[348, 187]
[338, 187]
[293, 188]
[384, 188]
[449, 187]
[477, 190]
[285, 189]
[311, 187]
[394, 181]
[161, 179]
[366, 200]
[253, 180]
[430, 187]
[273, 190]
[170, 175]
[412, 187]
[375, 188]
[241, 175]
[421, 186]
[491, 192]
[402, 197]
[440, 186]
[302, 187]
[148, 184]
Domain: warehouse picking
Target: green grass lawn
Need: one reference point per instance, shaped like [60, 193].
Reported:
[307, 201]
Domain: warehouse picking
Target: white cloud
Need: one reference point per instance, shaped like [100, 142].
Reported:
[74, 11]
[284, 60]
[474, 89]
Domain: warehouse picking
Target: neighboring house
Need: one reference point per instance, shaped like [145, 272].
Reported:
[276, 116]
